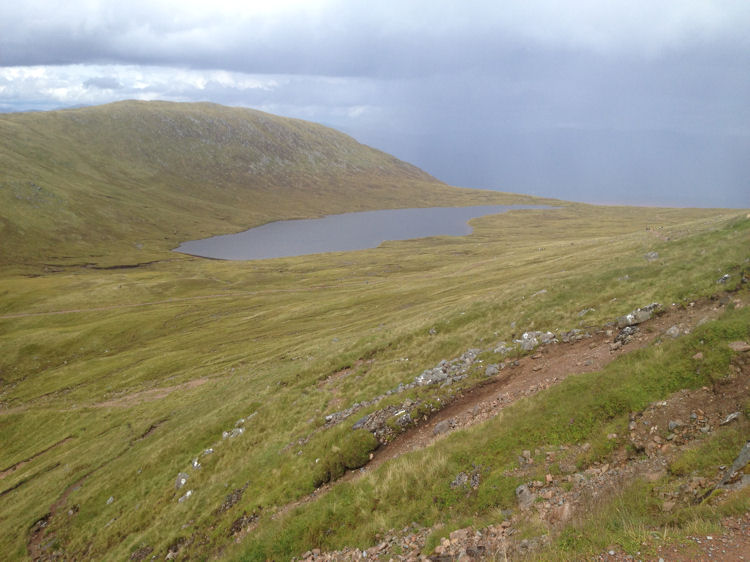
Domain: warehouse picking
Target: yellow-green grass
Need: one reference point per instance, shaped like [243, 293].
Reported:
[587, 407]
[266, 336]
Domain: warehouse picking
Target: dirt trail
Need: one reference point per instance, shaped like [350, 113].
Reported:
[563, 496]
[548, 366]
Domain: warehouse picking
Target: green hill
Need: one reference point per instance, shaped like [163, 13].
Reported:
[390, 399]
[121, 181]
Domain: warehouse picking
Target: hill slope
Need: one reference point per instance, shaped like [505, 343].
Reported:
[246, 379]
[129, 178]
[386, 399]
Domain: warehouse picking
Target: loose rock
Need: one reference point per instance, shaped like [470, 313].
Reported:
[182, 478]
[441, 427]
[524, 496]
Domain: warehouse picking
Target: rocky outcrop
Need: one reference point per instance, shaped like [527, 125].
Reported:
[638, 316]
[531, 340]
[735, 477]
[447, 372]
[386, 422]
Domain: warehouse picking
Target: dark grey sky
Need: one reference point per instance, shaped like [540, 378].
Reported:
[636, 102]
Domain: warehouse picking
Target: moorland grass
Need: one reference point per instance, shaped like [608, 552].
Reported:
[264, 337]
[583, 408]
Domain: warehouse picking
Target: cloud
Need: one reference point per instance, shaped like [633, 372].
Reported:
[103, 83]
[51, 87]
[345, 38]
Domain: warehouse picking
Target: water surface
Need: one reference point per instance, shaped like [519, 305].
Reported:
[340, 233]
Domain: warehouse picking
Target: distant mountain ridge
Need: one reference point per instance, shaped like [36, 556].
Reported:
[130, 178]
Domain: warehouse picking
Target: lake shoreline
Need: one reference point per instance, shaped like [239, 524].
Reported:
[342, 232]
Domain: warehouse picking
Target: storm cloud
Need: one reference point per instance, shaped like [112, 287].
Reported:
[620, 102]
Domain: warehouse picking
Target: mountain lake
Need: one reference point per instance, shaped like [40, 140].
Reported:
[341, 233]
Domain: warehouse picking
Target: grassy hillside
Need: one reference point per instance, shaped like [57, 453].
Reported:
[122, 182]
[116, 385]
[116, 397]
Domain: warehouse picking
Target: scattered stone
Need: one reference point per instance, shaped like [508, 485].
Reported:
[730, 418]
[723, 279]
[674, 424]
[476, 478]
[638, 316]
[698, 356]
[110, 500]
[462, 479]
[404, 420]
[651, 256]
[503, 348]
[739, 346]
[524, 496]
[142, 553]
[574, 336]
[547, 338]
[338, 417]
[491, 370]
[448, 371]
[531, 340]
[186, 496]
[242, 523]
[231, 500]
[626, 334]
[360, 423]
[182, 478]
[673, 332]
[441, 427]
[735, 476]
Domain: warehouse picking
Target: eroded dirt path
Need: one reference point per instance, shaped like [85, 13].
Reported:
[548, 366]
[568, 493]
